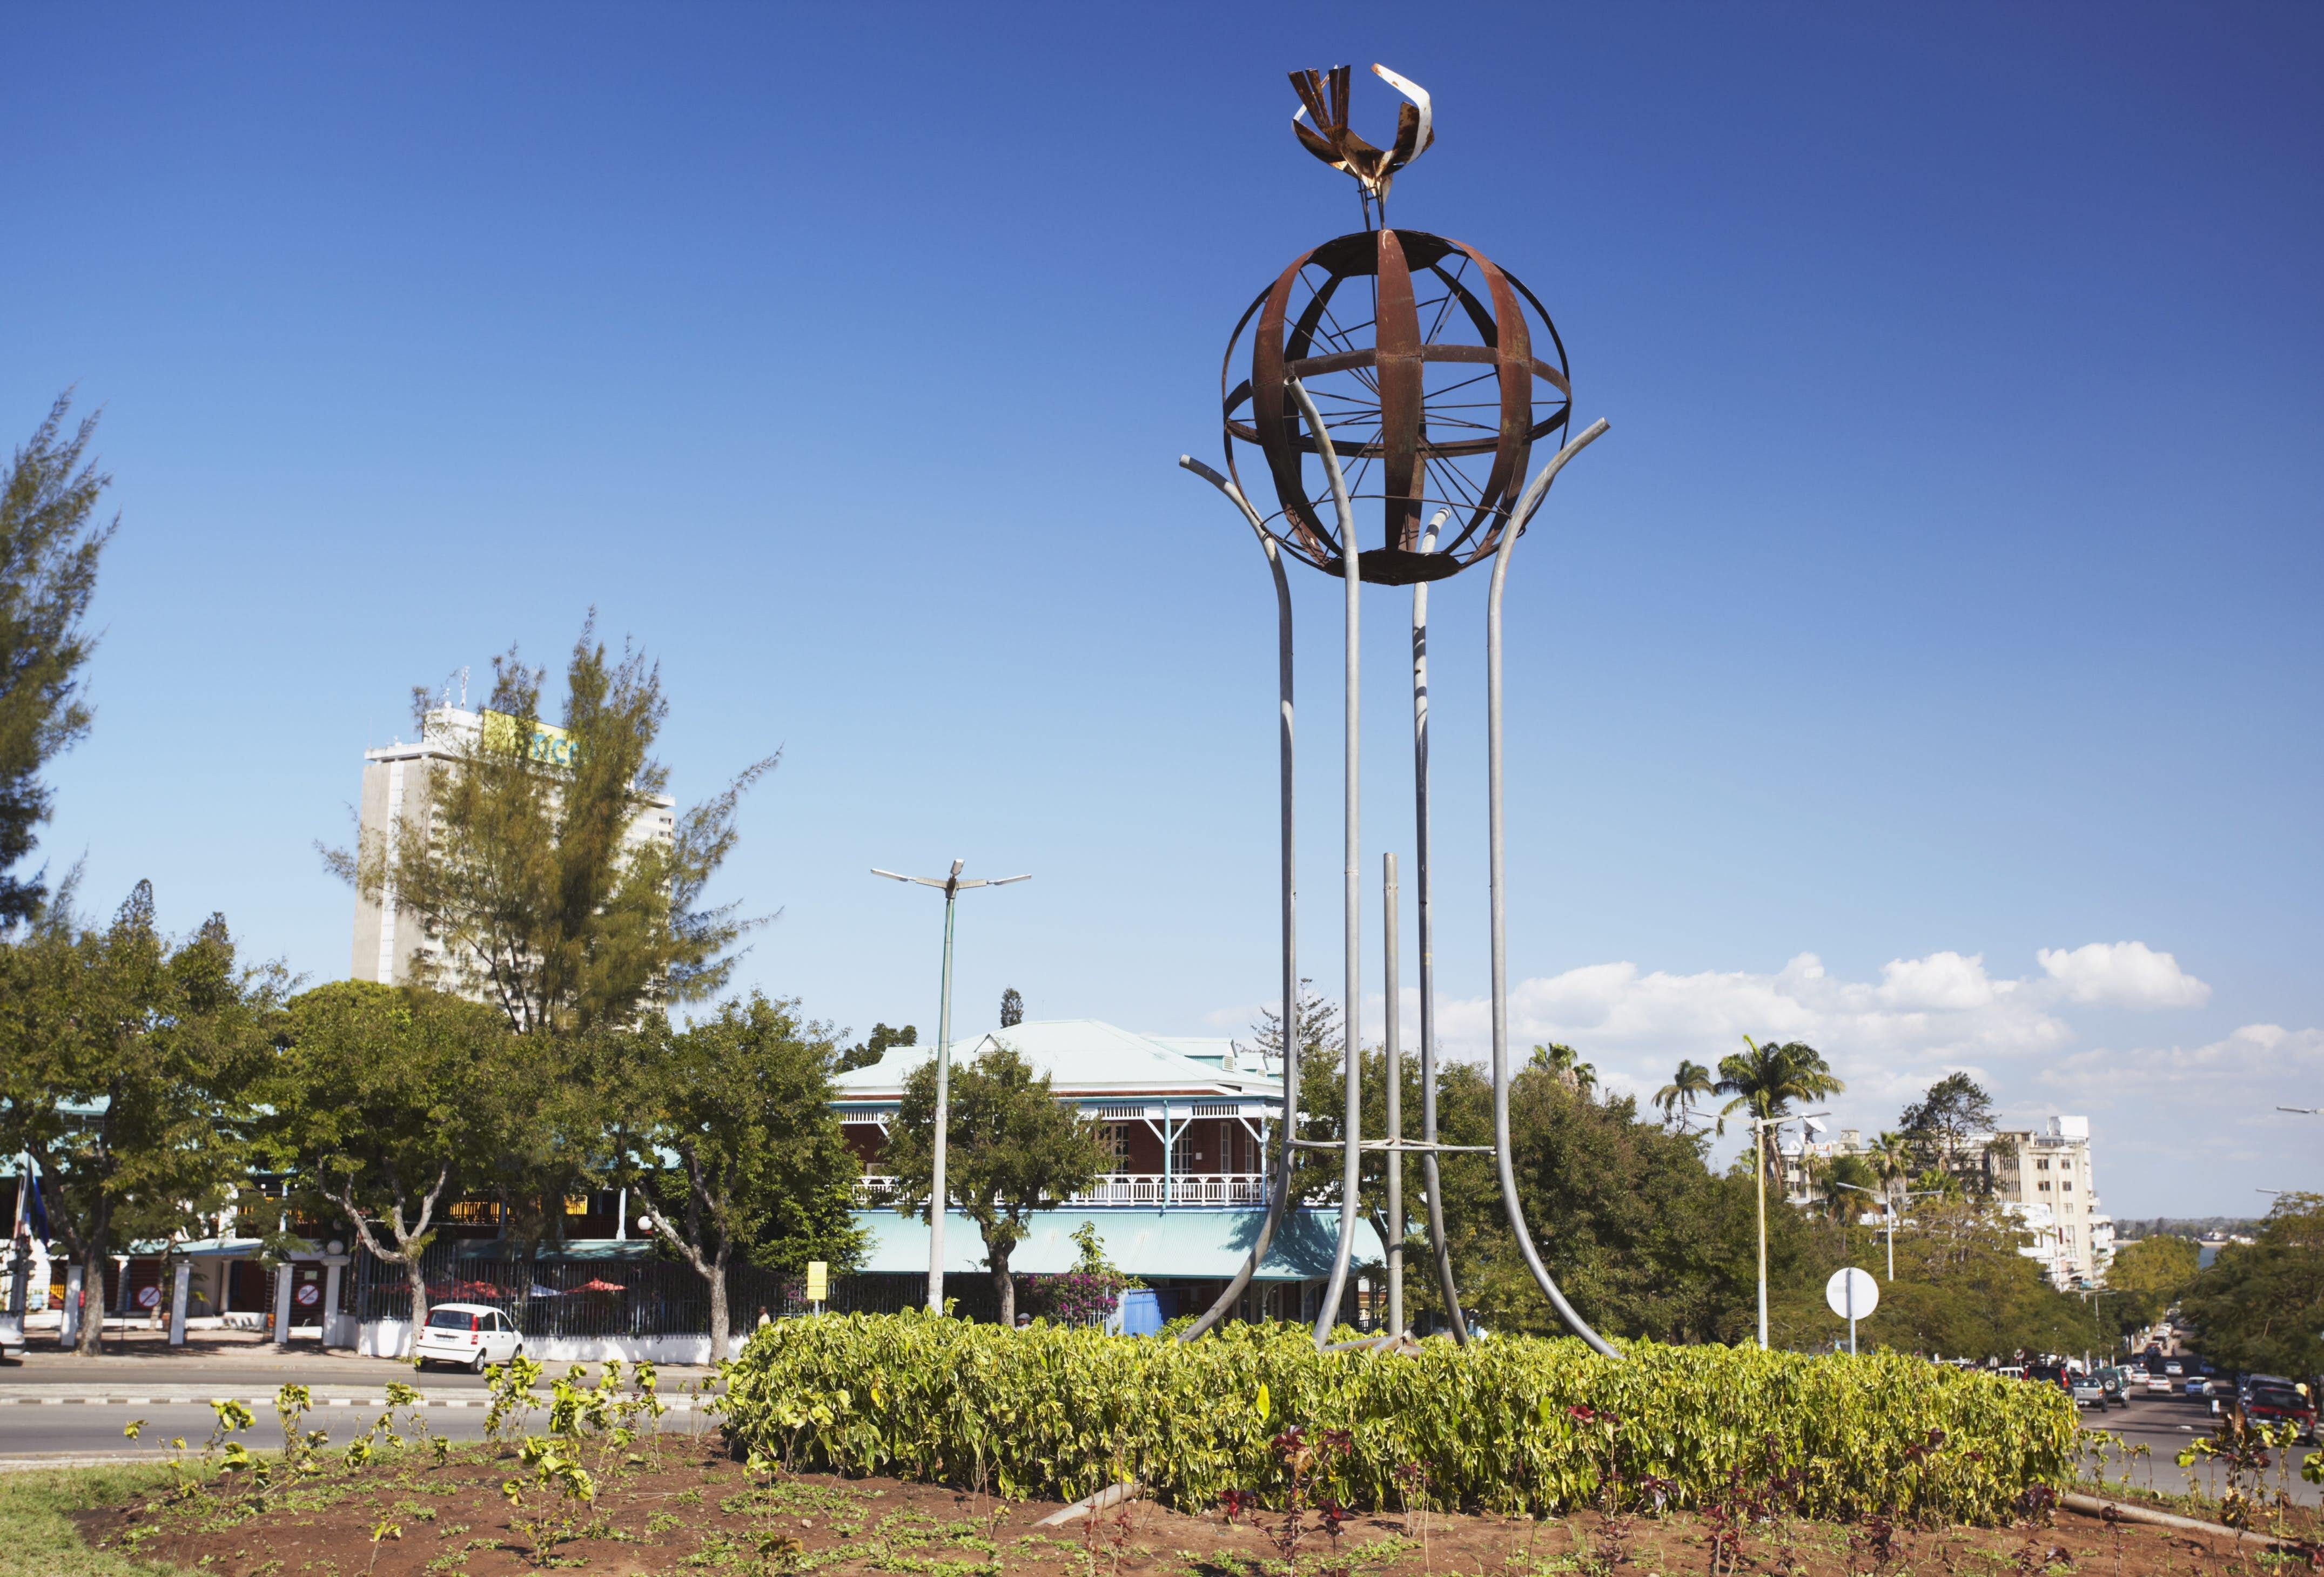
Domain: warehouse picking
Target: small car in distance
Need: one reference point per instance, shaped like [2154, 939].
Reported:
[2090, 1389]
[2158, 1383]
[467, 1336]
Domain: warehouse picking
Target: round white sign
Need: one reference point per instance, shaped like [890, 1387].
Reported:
[308, 1294]
[1851, 1293]
[149, 1298]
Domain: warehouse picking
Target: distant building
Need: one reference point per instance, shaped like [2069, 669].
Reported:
[2045, 1176]
[2042, 1178]
[398, 781]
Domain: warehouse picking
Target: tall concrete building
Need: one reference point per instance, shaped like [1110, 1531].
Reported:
[2046, 1178]
[398, 785]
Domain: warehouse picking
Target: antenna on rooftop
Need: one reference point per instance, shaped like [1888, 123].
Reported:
[464, 686]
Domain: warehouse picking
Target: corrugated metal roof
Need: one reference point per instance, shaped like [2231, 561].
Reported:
[1148, 1243]
[1080, 1055]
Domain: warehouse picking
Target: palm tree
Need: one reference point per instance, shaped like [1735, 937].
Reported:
[1690, 1084]
[1766, 1080]
[1891, 1157]
[1566, 1063]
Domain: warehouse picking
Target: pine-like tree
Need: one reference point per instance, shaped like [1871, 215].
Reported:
[1012, 1008]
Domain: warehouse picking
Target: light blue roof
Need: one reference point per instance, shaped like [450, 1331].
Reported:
[1081, 1056]
[1147, 1243]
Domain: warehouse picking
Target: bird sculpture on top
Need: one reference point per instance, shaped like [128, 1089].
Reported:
[1332, 141]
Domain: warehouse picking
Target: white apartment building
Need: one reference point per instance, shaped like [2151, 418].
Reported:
[2046, 1178]
[397, 781]
[2042, 1179]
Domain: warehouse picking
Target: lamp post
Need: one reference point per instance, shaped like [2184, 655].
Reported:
[952, 887]
[1811, 1124]
[1888, 1215]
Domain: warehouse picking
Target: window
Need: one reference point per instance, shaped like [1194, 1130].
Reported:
[2044, 1186]
[451, 1320]
[1113, 1137]
[2043, 1165]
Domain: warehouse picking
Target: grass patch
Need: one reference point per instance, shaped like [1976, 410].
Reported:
[36, 1526]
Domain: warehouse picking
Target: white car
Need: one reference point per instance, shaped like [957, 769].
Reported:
[468, 1336]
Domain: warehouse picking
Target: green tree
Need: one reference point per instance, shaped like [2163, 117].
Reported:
[1962, 1290]
[2148, 1275]
[1766, 1080]
[736, 1149]
[1644, 1239]
[874, 1046]
[522, 863]
[49, 552]
[1010, 1150]
[1012, 1009]
[1947, 1127]
[1891, 1159]
[386, 1104]
[126, 1061]
[1690, 1084]
[2260, 1305]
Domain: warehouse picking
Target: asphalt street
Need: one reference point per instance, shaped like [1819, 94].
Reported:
[2163, 1426]
[54, 1404]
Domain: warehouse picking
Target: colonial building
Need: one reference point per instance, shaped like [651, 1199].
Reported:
[1187, 1122]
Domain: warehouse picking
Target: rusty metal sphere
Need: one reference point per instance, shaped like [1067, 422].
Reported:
[1434, 371]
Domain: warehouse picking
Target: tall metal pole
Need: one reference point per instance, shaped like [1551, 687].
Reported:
[1352, 886]
[1759, 1166]
[952, 887]
[1392, 1056]
[940, 1201]
[1287, 1128]
[1429, 1175]
[1531, 502]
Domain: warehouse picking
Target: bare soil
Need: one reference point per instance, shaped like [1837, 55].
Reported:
[686, 1507]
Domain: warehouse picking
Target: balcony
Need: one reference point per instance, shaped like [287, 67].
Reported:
[1122, 1188]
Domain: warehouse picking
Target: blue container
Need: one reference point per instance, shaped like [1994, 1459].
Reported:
[1141, 1312]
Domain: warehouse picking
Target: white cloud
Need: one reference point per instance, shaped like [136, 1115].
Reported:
[2124, 973]
[2259, 1066]
[2186, 1130]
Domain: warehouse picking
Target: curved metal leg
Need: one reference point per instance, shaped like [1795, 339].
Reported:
[1352, 934]
[1279, 1186]
[1533, 494]
[1428, 1167]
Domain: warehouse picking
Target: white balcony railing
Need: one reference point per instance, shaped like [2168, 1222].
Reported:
[1127, 1188]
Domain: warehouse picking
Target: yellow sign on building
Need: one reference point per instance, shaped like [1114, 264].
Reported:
[550, 743]
[818, 1280]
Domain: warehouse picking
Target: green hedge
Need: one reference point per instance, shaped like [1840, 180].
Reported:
[1507, 1424]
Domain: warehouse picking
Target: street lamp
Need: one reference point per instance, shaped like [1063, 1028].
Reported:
[1888, 1215]
[1811, 1124]
[952, 887]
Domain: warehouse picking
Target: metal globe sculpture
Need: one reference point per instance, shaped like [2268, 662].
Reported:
[1407, 373]
[1434, 369]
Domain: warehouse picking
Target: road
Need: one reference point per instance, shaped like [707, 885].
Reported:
[2163, 1426]
[55, 1406]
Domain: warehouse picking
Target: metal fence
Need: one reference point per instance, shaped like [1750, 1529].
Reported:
[556, 1295]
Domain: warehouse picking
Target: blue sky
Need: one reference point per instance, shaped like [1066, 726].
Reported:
[1940, 606]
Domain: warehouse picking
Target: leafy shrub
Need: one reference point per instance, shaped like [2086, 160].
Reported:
[1509, 1424]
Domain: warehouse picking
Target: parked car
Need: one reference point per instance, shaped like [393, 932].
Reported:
[467, 1336]
[2273, 1399]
